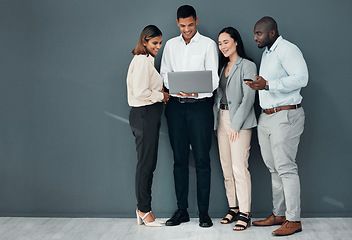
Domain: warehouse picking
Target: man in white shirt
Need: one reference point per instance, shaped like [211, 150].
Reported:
[189, 115]
[283, 72]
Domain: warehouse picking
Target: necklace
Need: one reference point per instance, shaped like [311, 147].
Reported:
[228, 67]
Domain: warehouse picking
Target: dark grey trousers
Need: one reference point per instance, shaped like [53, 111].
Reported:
[145, 126]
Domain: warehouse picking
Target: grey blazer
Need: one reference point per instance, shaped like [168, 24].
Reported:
[240, 97]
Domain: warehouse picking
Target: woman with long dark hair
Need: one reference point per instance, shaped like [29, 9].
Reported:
[145, 96]
[234, 119]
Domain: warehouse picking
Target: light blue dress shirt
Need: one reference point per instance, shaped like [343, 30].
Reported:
[285, 69]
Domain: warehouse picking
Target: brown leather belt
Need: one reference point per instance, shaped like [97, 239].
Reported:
[278, 109]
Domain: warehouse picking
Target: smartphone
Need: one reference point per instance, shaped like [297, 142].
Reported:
[247, 79]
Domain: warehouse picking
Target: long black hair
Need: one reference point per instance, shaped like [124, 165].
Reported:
[240, 48]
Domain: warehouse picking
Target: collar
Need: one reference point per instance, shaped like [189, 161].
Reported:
[150, 58]
[195, 38]
[274, 46]
[234, 67]
[238, 60]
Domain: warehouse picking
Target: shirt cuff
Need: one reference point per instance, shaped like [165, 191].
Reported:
[273, 85]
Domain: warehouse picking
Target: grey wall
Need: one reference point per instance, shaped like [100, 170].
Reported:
[65, 144]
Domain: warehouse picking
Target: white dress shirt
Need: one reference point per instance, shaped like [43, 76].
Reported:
[285, 69]
[200, 54]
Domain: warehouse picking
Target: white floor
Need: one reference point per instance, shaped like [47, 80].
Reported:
[13, 228]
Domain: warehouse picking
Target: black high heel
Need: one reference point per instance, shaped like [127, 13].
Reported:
[233, 214]
[244, 218]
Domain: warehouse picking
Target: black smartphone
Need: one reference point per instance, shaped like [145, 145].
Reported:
[247, 79]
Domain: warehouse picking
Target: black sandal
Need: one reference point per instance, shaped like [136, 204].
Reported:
[233, 214]
[244, 218]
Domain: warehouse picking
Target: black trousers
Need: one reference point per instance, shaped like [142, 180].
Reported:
[145, 125]
[191, 124]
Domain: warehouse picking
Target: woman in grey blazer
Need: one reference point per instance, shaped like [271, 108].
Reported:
[234, 119]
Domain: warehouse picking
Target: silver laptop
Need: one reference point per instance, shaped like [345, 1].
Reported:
[190, 82]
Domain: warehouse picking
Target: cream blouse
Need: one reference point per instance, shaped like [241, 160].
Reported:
[144, 83]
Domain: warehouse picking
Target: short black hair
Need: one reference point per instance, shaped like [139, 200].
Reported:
[186, 11]
[269, 22]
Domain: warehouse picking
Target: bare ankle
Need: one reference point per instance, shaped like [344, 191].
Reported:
[149, 218]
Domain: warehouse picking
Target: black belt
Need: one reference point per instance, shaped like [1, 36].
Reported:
[224, 106]
[187, 100]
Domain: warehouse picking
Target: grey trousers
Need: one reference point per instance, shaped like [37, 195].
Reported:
[279, 135]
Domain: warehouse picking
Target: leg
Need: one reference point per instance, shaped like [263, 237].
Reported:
[264, 137]
[223, 134]
[176, 119]
[240, 154]
[225, 157]
[145, 125]
[200, 127]
[285, 145]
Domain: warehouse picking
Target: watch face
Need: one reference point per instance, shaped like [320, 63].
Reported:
[266, 87]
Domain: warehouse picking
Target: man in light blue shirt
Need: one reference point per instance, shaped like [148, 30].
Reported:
[283, 72]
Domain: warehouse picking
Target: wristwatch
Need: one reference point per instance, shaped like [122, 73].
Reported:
[266, 87]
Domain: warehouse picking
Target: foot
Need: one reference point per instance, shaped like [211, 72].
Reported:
[180, 216]
[232, 215]
[205, 220]
[149, 218]
[288, 228]
[270, 221]
[244, 221]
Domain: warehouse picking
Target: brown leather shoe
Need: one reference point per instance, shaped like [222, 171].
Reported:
[269, 221]
[288, 228]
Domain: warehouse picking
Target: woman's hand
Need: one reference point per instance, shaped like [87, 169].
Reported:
[166, 96]
[234, 135]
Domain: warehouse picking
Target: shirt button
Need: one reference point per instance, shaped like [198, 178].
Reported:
[229, 102]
